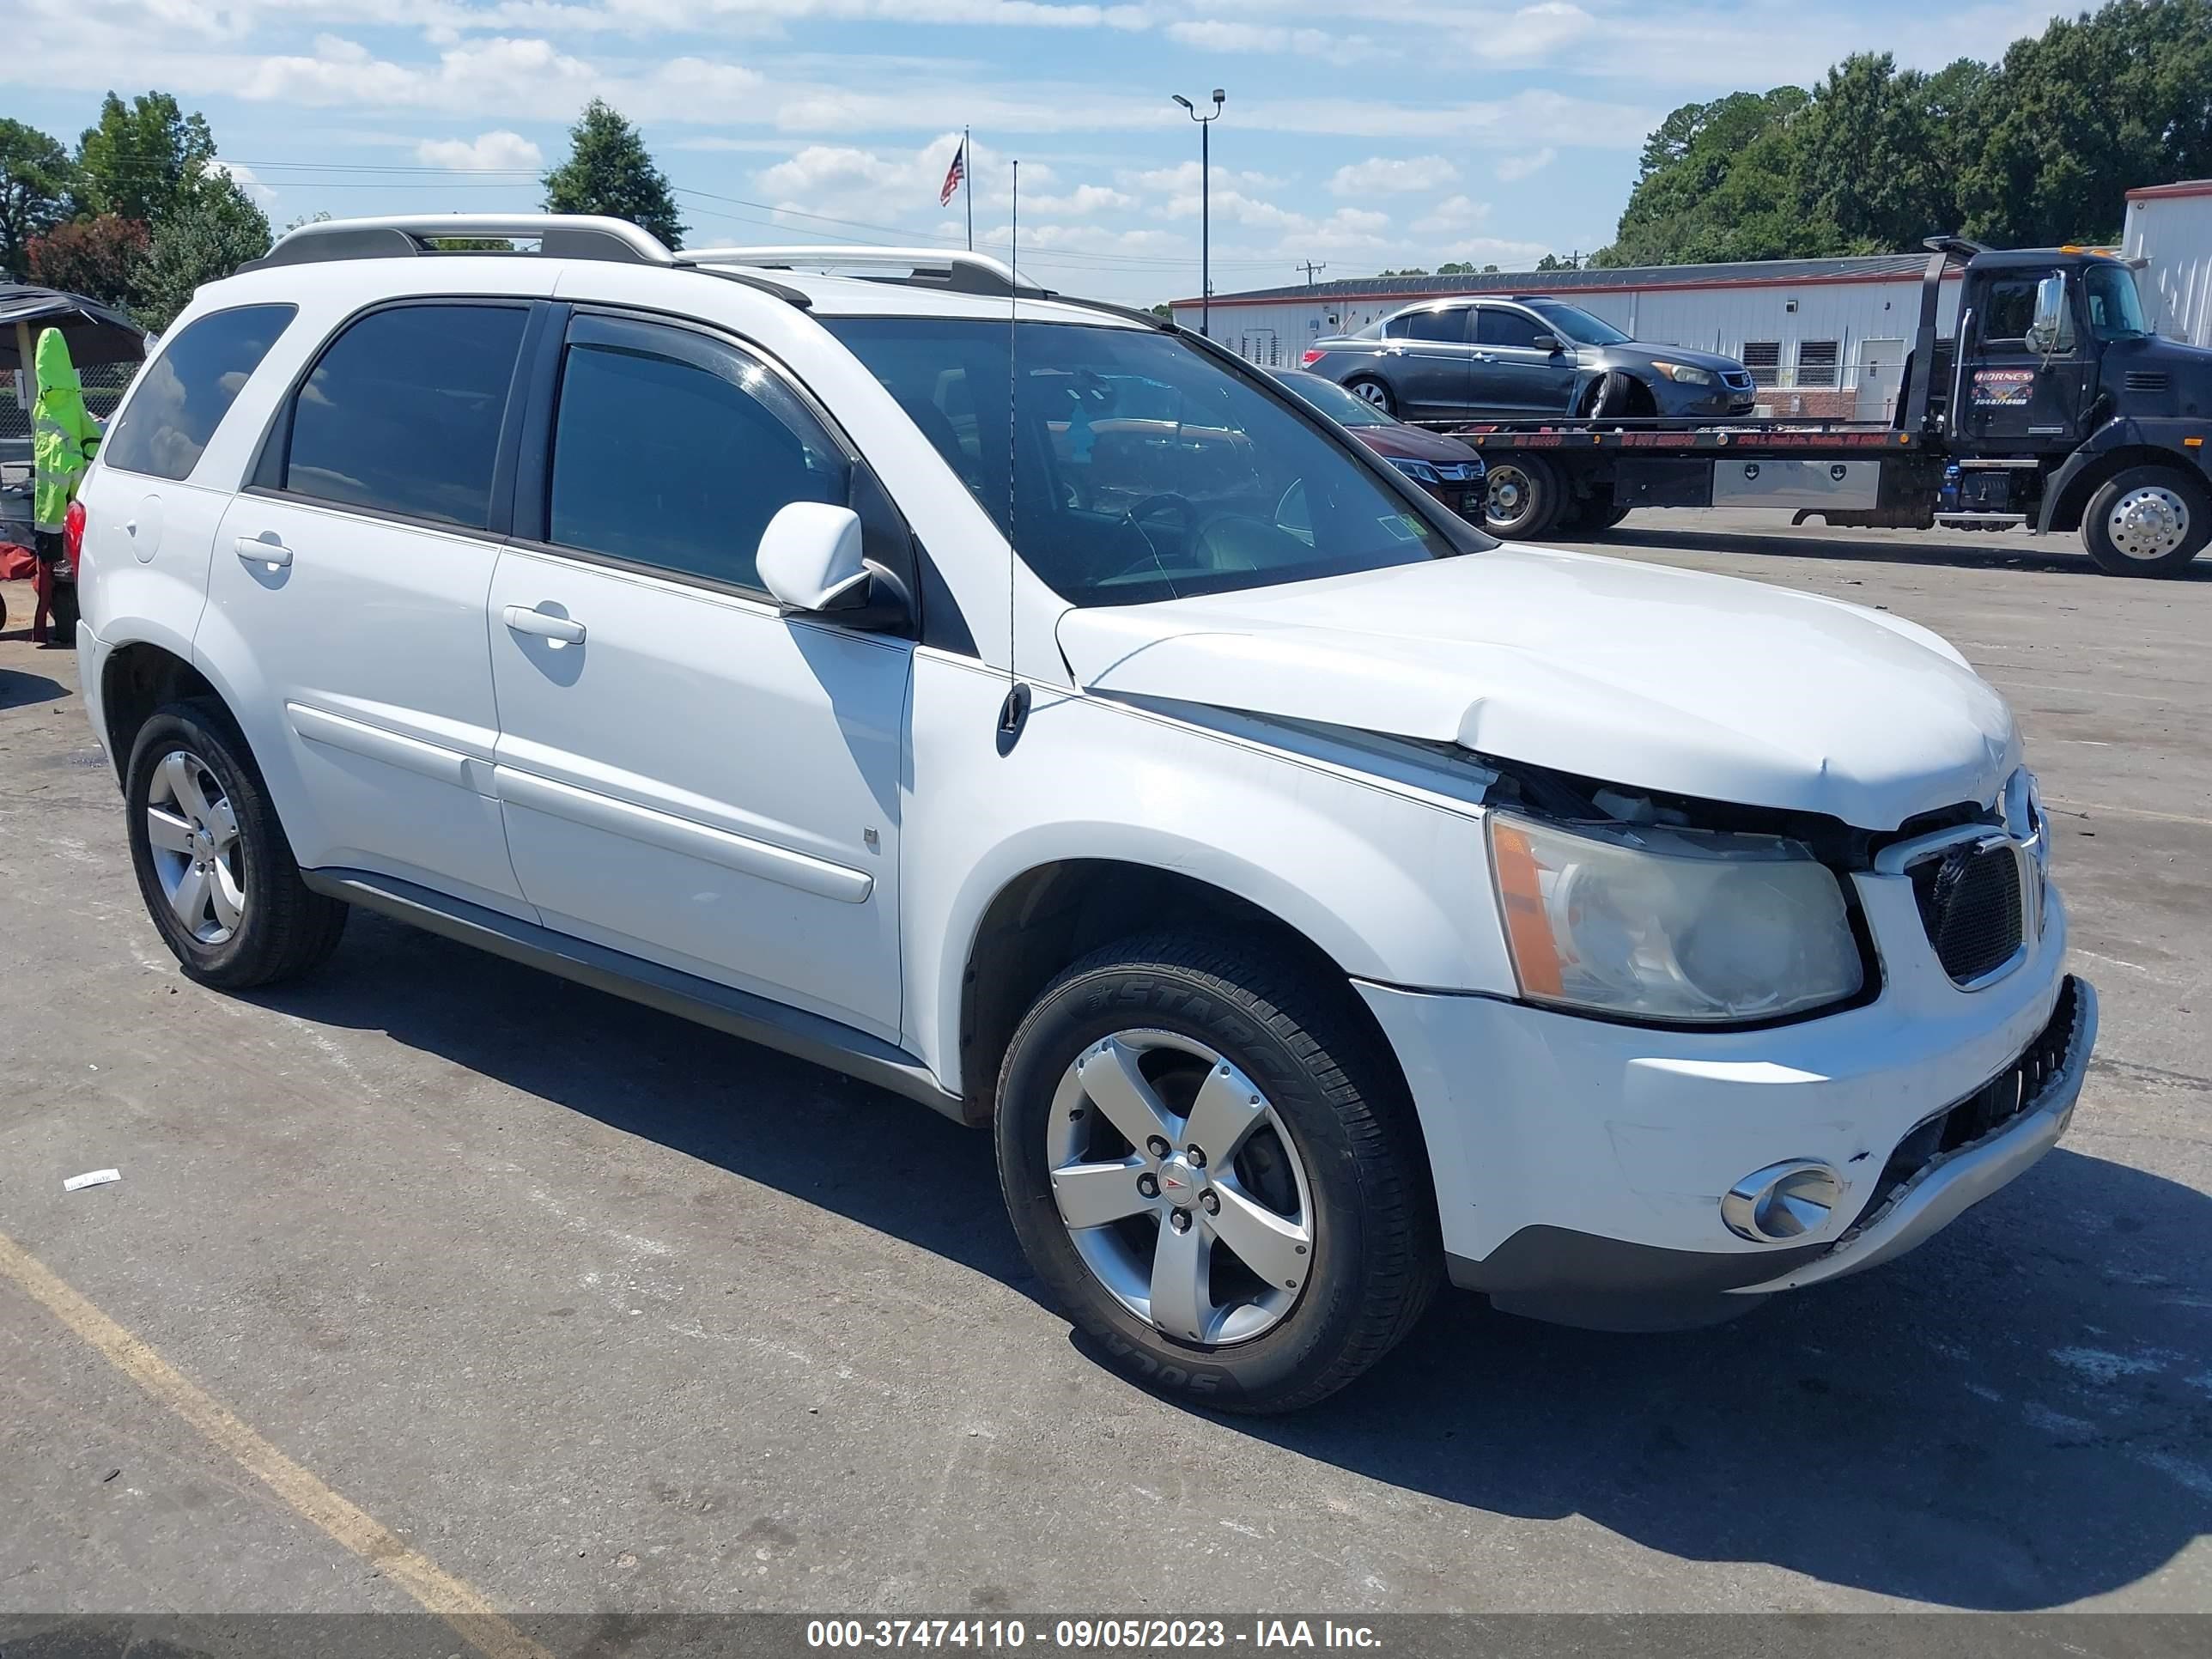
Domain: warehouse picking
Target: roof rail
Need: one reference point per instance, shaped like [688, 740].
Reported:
[558, 236]
[935, 267]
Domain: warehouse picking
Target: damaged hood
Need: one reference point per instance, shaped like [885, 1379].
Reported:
[1639, 674]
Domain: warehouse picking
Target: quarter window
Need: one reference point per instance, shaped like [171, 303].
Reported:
[403, 413]
[187, 390]
[674, 451]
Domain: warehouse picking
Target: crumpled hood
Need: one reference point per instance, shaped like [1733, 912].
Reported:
[1639, 674]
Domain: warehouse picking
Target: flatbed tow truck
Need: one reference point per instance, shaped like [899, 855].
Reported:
[2053, 407]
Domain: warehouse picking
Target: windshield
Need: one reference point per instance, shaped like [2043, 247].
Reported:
[1576, 324]
[1345, 408]
[2115, 306]
[1142, 469]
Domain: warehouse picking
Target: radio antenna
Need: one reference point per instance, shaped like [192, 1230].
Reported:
[1016, 709]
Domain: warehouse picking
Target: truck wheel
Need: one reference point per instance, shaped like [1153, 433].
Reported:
[1214, 1174]
[2147, 522]
[1369, 389]
[1524, 498]
[212, 860]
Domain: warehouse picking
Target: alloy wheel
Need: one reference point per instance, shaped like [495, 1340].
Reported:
[1181, 1186]
[199, 857]
[2149, 523]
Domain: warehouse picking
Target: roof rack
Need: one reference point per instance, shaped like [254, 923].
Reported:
[955, 269]
[558, 236]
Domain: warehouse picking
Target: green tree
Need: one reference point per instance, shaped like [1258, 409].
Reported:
[96, 256]
[610, 171]
[142, 158]
[216, 229]
[35, 176]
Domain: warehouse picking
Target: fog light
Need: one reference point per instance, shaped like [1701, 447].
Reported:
[1782, 1201]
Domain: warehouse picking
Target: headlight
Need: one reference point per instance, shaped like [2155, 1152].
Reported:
[1671, 924]
[1419, 471]
[1687, 373]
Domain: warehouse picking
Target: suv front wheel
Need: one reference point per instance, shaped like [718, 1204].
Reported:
[1215, 1175]
[212, 860]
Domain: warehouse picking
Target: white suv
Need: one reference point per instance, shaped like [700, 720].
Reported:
[1027, 706]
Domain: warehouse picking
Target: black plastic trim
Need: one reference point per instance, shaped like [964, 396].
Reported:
[789, 1031]
[1570, 1278]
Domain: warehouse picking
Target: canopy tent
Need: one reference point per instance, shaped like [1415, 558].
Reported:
[95, 333]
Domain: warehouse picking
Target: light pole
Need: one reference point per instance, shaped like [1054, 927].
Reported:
[1205, 206]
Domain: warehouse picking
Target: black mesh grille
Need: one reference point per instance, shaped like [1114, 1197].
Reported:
[1970, 904]
[1989, 1108]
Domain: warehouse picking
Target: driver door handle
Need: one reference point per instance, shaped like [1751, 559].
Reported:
[523, 620]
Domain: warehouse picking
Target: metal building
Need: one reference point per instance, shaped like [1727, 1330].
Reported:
[2170, 228]
[1825, 336]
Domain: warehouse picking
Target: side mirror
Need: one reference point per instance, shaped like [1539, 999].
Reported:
[1550, 342]
[810, 557]
[2052, 332]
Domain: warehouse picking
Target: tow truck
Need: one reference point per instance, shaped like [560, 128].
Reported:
[2052, 406]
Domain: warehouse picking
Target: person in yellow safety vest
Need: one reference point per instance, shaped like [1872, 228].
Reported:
[63, 440]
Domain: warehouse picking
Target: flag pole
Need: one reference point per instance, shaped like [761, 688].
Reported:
[968, 186]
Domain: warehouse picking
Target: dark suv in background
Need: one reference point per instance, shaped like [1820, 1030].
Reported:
[1522, 358]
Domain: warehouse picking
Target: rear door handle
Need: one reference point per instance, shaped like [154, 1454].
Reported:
[254, 550]
[545, 626]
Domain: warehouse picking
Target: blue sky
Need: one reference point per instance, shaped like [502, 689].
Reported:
[1359, 133]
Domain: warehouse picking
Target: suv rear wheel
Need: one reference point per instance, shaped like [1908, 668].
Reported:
[1217, 1179]
[212, 861]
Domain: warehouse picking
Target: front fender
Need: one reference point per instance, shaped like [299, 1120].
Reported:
[2064, 492]
[1389, 885]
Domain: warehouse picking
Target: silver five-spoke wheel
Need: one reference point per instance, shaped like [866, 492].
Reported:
[2149, 523]
[1180, 1186]
[193, 836]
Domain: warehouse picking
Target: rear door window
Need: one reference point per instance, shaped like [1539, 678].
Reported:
[1444, 325]
[403, 413]
[187, 390]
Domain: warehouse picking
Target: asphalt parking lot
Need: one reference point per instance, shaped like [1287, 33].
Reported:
[596, 1311]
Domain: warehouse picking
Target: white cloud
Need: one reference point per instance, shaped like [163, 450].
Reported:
[1244, 38]
[1384, 174]
[1513, 167]
[1454, 213]
[243, 178]
[489, 152]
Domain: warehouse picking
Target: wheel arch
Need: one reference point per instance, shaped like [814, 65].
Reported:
[1055, 911]
[137, 677]
[2069, 501]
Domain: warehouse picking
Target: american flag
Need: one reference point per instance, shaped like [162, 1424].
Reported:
[954, 174]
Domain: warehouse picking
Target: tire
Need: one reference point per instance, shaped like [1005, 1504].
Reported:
[2147, 522]
[1597, 515]
[1371, 390]
[254, 922]
[1615, 390]
[1523, 497]
[1334, 1151]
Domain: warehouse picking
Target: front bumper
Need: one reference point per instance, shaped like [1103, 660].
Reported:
[1580, 1165]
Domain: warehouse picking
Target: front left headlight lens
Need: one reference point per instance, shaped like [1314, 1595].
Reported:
[1419, 471]
[1687, 373]
[1664, 924]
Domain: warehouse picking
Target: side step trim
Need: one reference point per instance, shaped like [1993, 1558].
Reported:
[756, 1019]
